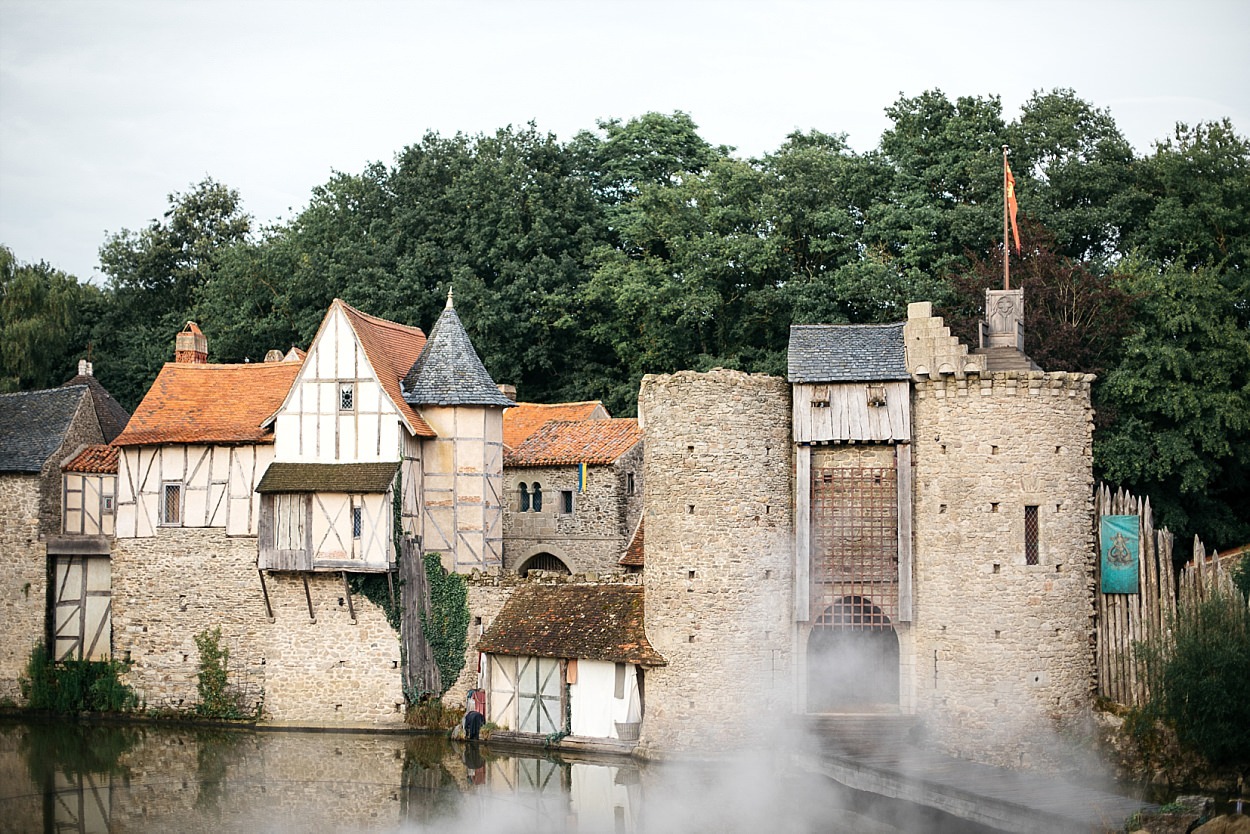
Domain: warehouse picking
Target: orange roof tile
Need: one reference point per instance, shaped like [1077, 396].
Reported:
[99, 459]
[634, 554]
[560, 442]
[191, 403]
[523, 419]
[392, 349]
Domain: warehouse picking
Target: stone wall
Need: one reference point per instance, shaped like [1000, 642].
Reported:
[594, 536]
[719, 566]
[23, 578]
[1003, 649]
[321, 670]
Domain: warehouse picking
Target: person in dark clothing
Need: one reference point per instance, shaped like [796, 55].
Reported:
[473, 721]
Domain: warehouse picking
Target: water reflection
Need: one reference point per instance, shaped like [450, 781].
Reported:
[139, 778]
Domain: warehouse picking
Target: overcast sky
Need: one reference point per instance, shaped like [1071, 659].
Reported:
[108, 107]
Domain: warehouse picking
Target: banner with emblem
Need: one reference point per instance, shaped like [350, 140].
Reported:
[1118, 541]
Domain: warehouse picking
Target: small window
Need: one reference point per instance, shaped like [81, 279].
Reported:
[876, 396]
[108, 503]
[629, 483]
[619, 688]
[171, 504]
[566, 501]
[536, 498]
[524, 505]
[1030, 535]
[347, 396]
[356, 519]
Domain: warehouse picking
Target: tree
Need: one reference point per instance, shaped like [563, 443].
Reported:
[1077, 174]
[1182, 395]
[42, 323]
[155, 278]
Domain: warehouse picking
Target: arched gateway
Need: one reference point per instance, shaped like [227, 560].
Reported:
[852, 658]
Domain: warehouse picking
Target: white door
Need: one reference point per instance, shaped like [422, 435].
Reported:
[538, 695]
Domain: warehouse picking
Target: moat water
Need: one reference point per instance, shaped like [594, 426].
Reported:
[80, 777]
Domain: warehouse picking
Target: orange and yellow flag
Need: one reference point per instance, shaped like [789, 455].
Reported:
[1011, 204]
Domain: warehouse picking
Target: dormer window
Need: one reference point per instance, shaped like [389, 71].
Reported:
[347, 396]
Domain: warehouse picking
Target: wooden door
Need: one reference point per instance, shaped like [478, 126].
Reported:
[538, 695]
[82, 608]
[501, 703]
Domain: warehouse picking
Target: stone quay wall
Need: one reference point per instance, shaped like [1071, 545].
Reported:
[1003, 649]
[594, 536]
[23, 577]
[324, 669]
[719, 564]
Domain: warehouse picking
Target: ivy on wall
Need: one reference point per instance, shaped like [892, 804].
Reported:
[446, 627]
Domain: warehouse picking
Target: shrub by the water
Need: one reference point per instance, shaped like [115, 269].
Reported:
[72, 686]
[1199, 683]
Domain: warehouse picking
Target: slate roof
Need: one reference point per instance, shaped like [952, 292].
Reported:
[449, 371]
[33, 425]
[587, 622]
[191, 403]
[391, 349]
[633, 557]
[98, 459]
[560, 442]
[108, 411]
[355, 478]
[846, 353]
[523, 419]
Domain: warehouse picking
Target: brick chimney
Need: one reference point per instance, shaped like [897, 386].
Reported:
[191, 346]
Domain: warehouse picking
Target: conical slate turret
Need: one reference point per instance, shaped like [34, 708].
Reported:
[449, 371]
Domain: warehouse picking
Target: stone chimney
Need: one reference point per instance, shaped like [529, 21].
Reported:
[84, 368]
[191, 346]
[273, 356]
[508, 391]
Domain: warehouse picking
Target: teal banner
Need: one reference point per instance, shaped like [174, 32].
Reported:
[1118, 540]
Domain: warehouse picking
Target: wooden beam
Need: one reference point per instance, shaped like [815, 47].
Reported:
[347, 592]
[264, 589]
[312, 618]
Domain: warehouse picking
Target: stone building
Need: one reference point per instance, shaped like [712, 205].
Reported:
[258, 513]
[574, 495]
[898, 531]
[39, 431]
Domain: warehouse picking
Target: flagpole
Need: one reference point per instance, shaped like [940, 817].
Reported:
[1006, 247]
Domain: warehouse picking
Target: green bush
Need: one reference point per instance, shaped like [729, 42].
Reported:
[219, 698]
[73, 686]
[1199, 683]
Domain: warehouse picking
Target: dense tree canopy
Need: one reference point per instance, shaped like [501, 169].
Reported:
[638, 247]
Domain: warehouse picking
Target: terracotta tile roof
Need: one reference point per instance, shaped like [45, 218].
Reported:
[449, 371]
[99, 459]
[588, 622]
[392, 349]
[523, 419]
[355, 478]
[560, 442]
[633, 557]
[191, 403]
[33, 425]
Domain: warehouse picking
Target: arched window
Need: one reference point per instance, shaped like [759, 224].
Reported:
[525, 499]
[536, 500]
[543, 561]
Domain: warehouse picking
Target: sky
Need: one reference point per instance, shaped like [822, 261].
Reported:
[108, 107]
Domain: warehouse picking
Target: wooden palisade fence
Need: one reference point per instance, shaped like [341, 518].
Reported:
[1125, 620]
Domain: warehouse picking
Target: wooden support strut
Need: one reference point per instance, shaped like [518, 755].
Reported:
[312, 618]
[347, 592]
[264, 589]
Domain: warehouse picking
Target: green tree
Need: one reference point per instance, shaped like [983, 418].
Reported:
[1181, 393]
[155, 278]
[43, 323]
